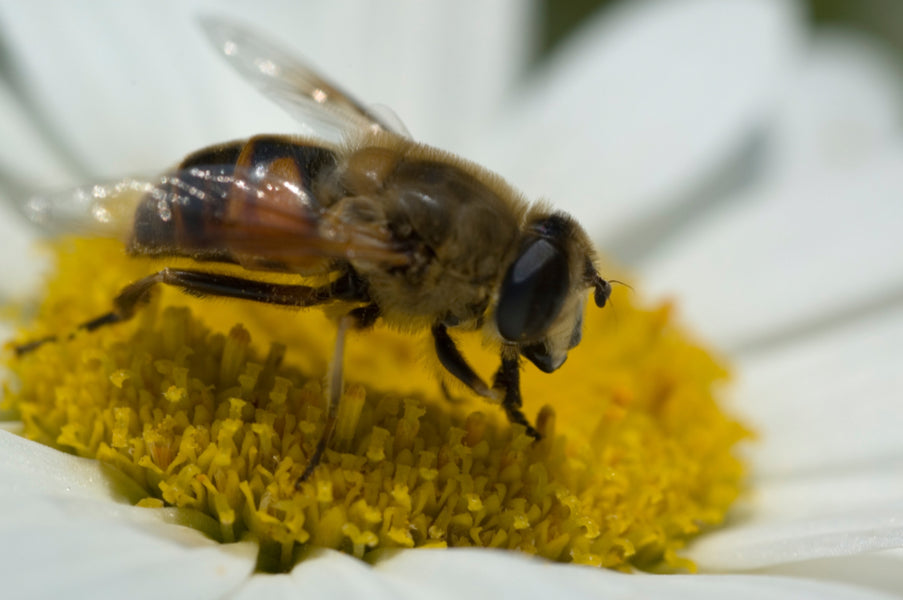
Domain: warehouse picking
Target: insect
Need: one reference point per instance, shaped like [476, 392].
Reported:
[406, 233]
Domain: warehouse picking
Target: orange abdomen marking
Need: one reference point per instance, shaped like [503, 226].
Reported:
[212, 205]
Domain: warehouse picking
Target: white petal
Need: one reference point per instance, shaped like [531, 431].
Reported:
[646, 102]
[36, 478]
[843, 106]
[26, 159]
[129, 85]
[105, 558]
[134, 86]
[325, 574]
[810, 496]
[479, 574]
[828, 402]
[64, 534]
[466, 573]
[789, 257]
[769, 542]
[23, 263]
[32, 468]
[809, 517]
[828, 463]
[879, 570]
[440, 66]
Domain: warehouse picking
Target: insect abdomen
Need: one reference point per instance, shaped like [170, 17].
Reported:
[198, 210]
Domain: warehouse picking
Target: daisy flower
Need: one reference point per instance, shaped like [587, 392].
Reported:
[730, 157]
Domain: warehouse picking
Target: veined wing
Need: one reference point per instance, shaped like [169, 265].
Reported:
[100, 209]
[308, 96]
[218, 213]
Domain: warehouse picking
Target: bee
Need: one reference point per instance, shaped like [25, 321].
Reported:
[405, 233]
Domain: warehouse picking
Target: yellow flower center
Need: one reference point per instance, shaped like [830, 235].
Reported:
[212, 415]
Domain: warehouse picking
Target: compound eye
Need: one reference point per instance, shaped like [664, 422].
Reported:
[533, 292]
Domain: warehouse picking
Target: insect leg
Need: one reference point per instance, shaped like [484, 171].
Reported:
[454, 362]
[201, 283]
[333, 395]
[507, 380]
[361, 318]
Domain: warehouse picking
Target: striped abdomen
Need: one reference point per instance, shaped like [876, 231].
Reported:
[234, 202]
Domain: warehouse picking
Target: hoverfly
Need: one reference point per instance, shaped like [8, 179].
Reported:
[407, 233]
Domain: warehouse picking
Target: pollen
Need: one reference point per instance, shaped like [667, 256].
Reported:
[215, 406]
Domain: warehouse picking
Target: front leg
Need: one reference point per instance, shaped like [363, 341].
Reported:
[454, 363]
[507, 381]
[359, 318]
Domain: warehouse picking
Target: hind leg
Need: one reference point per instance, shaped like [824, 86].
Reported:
[200, 283]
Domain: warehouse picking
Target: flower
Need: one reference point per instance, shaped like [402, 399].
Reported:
[635, 458]
[656, 103]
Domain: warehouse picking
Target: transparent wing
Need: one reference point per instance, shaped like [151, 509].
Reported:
[317, 103]
[218, 212]
[101, 209]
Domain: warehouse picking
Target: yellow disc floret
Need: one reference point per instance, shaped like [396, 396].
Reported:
[216, 406]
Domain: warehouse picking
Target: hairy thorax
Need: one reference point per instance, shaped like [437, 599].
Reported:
[459, 230]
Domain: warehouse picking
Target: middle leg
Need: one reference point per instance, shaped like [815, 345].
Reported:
[507, 381]
[454, 362]
[360, 318]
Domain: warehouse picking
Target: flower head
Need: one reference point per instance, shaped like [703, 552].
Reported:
[636, 456]
[730, 155]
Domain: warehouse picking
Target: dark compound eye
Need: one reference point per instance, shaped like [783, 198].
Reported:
[533, 291]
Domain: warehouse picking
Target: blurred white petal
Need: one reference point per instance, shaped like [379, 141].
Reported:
[644, 103]
[829, 401]
[810, 516]
[488, 574]
[442, 67]
[768, 543]
[828, 463]
[26, 160]
[879, 570]
[73, 539]
[105, 558]
[790, 255]
[325, 574]
[649, 102]
[844, 106]
[26, 157]
[479, 574]
[20, 276]
[38, 468]
[135, 86]
[139, 86]
[806, 495]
